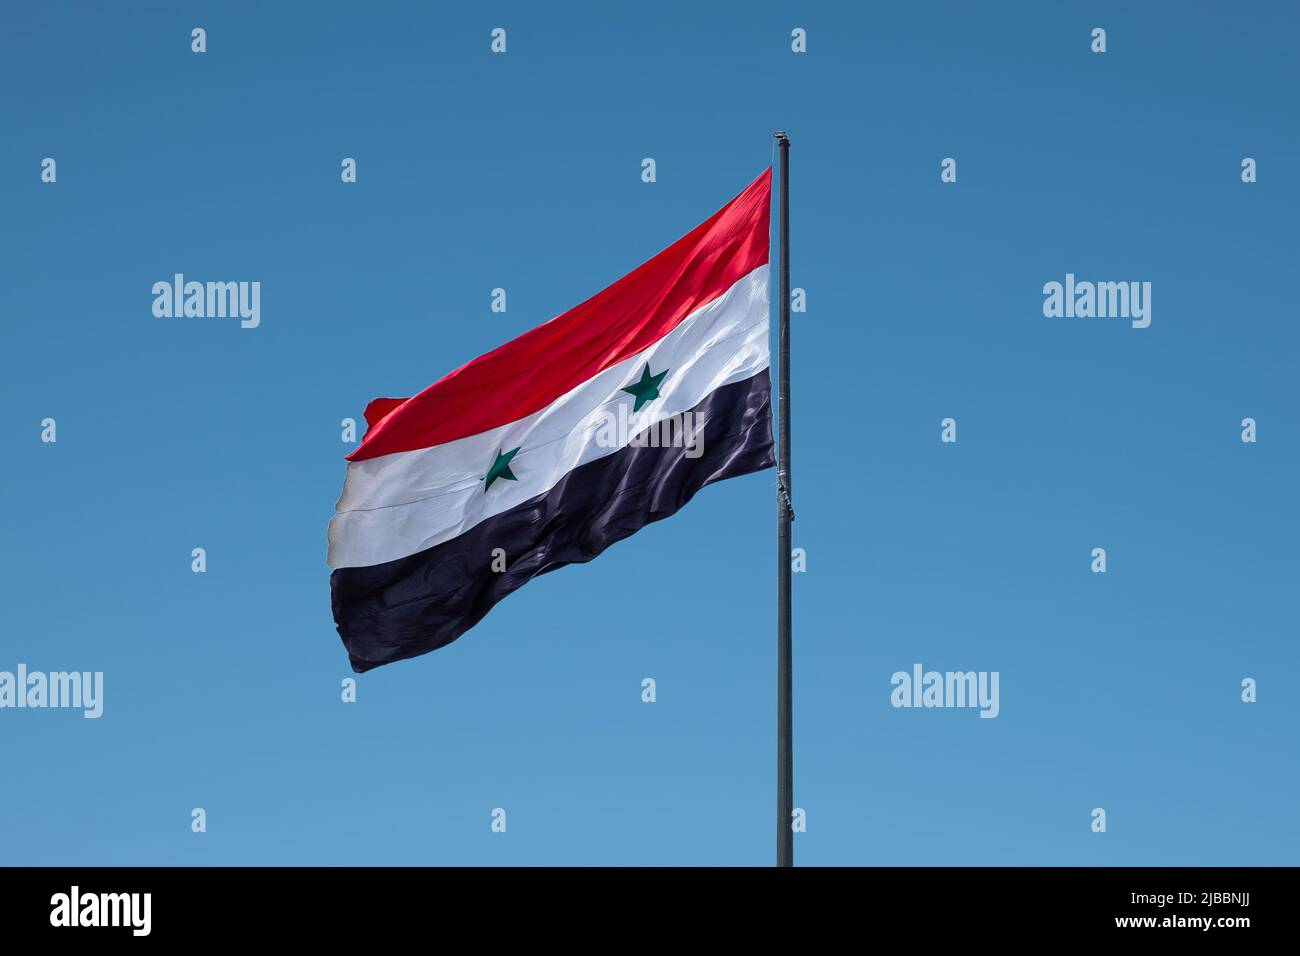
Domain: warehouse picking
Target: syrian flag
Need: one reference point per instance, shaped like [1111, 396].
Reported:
[550, 448]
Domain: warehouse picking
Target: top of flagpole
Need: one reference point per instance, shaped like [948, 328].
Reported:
[780, 136]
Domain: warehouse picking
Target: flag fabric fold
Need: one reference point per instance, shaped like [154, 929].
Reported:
[550, 448]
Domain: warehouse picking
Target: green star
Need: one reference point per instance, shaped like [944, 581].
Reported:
[501, 468]
[646, 390]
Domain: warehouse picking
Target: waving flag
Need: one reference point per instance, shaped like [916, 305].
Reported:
[550, 448]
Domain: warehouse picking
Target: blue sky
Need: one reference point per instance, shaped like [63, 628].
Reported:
[522, 171]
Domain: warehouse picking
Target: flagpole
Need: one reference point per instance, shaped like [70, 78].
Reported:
[785, 514]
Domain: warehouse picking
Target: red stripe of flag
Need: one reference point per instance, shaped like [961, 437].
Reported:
[528, 373]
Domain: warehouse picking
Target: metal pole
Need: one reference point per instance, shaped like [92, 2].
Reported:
[785, 513]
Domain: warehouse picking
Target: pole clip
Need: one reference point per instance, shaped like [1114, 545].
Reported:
[785, 496]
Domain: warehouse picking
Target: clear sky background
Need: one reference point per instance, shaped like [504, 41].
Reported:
[522, 171]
